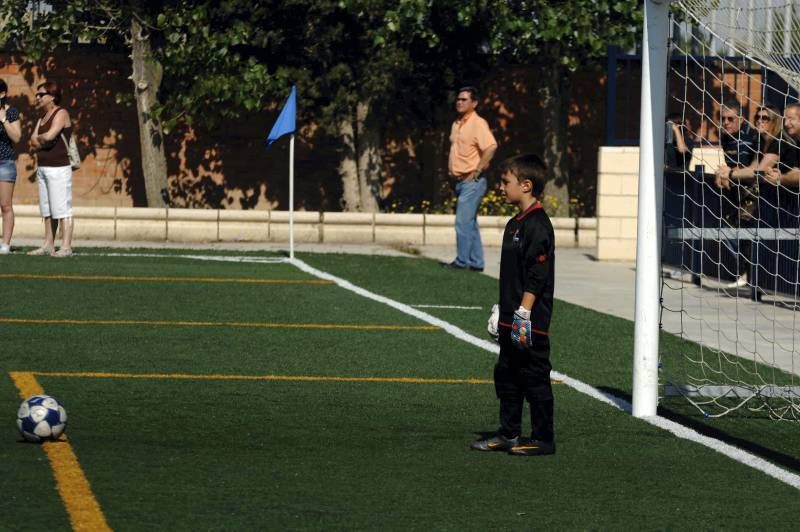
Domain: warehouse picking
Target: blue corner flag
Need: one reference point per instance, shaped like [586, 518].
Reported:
[285, 122]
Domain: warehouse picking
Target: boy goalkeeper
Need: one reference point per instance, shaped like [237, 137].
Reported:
[526, 305]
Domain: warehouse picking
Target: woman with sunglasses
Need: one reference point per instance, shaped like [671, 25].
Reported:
[10, 133]
[745, 182]
[769, 126]
[54, 173]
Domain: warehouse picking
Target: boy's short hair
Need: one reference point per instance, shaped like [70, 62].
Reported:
[527, 166]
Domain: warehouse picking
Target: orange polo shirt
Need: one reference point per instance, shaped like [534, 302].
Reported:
[469, 138]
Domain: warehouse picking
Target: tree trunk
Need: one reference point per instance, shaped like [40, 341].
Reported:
[554, 98]
[348, 166]
[360, 164]
[147, 75]
[369, 157]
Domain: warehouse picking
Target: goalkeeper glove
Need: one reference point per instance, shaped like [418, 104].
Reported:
[521, 329]
[494, 318]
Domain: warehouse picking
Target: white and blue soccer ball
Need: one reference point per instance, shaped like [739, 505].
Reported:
[41, 417]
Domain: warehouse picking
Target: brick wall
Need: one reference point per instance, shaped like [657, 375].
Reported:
[230, 168]
[107, 133]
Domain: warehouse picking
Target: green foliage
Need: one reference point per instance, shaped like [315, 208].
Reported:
[333, 51]
[454, 43]
[447, 206]
[211, 72]
[493, 203]
[225, 59]
[581, 30]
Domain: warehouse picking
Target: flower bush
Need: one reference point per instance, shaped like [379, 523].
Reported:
[492, 204]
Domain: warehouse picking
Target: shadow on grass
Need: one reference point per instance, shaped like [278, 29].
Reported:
[700, 426]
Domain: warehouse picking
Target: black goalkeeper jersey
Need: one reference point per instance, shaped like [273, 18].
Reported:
[527, 264]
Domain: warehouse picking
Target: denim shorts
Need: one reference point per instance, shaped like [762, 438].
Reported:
[8, 171]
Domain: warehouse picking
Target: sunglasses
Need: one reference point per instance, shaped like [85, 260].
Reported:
[763, 118]
[462, 99]
[729, 118]
[42, 94]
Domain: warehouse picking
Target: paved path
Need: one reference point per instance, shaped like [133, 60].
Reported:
[603, 286]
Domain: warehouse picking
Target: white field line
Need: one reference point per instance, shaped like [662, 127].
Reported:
[456, 307]
[677, 429]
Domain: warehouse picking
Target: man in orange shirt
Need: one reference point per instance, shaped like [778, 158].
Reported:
[472, 147]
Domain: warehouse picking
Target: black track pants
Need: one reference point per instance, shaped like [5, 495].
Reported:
[520, 375]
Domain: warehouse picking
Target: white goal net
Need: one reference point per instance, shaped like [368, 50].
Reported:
[731, 247]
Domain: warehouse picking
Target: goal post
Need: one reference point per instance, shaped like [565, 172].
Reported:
[717, 310]
[647, 311]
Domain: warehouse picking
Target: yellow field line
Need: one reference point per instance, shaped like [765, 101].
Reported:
[260, 325]
[81, 504]
[290, 378]
[133, 278]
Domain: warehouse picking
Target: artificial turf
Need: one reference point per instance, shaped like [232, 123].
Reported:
[232, 454]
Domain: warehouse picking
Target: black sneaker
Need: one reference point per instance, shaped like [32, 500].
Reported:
[498, 442]
[529, 447]
[475, 269]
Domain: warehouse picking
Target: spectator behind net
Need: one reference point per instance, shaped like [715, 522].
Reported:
[679, 143]
[744, 180]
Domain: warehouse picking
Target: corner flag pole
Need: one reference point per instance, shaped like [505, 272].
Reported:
[286, 124]
[291, 197]
[651, 183]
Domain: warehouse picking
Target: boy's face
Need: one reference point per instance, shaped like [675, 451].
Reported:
[514, 190]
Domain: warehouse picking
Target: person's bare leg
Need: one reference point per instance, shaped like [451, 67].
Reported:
[50, 227]
[7, 209]
[67, 225]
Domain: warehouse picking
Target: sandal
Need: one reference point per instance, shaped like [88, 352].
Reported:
[41, 251]
[63, 252]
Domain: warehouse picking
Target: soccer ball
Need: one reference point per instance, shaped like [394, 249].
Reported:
[492, 323]
[41, 417]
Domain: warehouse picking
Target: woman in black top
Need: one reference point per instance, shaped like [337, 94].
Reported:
[10, 133]
[744, 181]
[769, 125]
